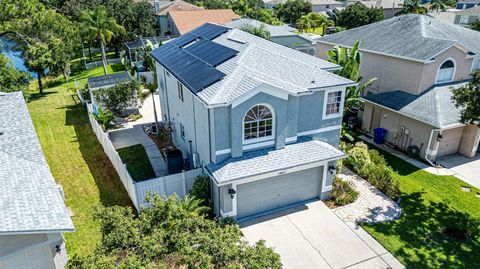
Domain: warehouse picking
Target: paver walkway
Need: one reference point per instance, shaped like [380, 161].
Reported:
[371, 205]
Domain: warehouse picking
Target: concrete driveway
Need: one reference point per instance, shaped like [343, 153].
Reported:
[312, 236]
[466, 169]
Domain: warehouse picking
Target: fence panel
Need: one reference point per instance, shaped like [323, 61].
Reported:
[179, 184]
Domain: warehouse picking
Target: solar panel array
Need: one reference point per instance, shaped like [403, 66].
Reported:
[108, 80]
[192, 57]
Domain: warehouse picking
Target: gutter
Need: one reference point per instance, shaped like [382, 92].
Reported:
[429, 144]
[37, 231]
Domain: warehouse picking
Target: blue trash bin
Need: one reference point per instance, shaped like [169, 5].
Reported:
[378, 135]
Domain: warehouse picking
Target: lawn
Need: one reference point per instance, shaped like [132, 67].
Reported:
[429, 204]
[317, 31]
[76, 159]
[138, 165]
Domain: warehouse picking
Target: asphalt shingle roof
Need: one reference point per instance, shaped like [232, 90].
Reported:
[433, 106]
[108, 80]
[275, 30]
[305, 151]
[30, 200]
[261, 61]
[411, 36]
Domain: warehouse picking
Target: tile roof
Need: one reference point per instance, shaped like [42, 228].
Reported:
[108, 80]
[178, 5]
[252, 163]
[382, 3]
[30, 200]
[434, 106]
[186, 21]
[411, 36]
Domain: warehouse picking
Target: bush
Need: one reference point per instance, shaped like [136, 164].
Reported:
[372, 166]
[343, 192]
[118, 98]
[201, 190]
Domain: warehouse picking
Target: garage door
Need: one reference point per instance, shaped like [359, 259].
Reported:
[277, 192]
[450, 141]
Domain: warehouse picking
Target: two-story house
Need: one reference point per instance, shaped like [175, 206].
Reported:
[263, 119]
[468, 16]
[417, 60]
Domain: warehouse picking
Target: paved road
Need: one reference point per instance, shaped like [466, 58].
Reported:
[312, 236]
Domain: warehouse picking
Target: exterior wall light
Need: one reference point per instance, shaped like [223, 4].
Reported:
[231, 192]
[331, 169]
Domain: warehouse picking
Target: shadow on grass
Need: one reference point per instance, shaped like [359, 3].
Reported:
[109, 185]
[430, 234]
[38, 96]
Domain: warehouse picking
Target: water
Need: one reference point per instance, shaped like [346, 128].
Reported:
[7, 48]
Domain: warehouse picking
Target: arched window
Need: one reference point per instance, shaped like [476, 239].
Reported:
[258, 123]
[446, 71]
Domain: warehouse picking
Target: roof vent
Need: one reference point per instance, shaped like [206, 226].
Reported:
[1, 133]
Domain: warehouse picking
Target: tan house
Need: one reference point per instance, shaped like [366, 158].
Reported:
[162, 11]
[390, 7]
[182, 22]
[468, 16]
[417, 60]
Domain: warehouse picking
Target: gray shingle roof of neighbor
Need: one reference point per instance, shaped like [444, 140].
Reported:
[434, 106]
[416, 37]
[30, 200]
[275, 30]
[108, 80]
[305, 151]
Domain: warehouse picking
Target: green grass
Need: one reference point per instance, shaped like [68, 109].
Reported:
[317, 31]
[138, 165]
[429, 202]
[76, 159]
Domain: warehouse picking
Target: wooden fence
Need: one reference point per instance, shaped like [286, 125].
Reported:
[179, 184]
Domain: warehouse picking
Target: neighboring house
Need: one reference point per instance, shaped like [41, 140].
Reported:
[417, 59]
[33, 215]
[263, 119]
[325, 5]
[103, 82]
[390, 7]
[466, 4]
[468, 16]
[164, 24]
[182, 22]
[281, 34]
[270, 4]
[446, 16]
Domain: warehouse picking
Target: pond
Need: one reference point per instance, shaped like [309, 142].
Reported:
[7, 48]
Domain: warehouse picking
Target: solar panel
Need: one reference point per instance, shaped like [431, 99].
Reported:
[209, 31]
[211, 52]
[191, 71]
[183, 40]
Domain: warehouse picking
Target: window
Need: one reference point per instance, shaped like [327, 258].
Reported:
[182, 131]
[445, 73]
[334, 103]
[180, 90]
[476, 64]
[258, 123]
[464, 19]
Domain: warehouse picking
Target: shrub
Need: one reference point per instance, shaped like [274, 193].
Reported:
[201, 190]
[376, 157]
[381, 176]
[118, 98]
[343, 192]
[359, 159]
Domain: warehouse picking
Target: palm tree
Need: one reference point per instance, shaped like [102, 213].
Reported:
[192, 205]
[101, 27]
[303, 24]
[412, 7]
[438, 5]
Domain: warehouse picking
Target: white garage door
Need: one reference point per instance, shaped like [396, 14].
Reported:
[277, 192]
[450, 142]
[35, 258]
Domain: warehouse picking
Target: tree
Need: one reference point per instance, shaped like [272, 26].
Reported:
[438, 5]
[292, 10]
[102, 28]
[152, 87]
[319, 20]
[260, 31]
[476, 25]
[169, 234]
[358, 15]
[412, 7]
[303, 24]
[118, 98]
[263, 15]
[49, 38]
[12, 79]
[467, 98]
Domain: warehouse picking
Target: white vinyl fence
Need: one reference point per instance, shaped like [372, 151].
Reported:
[179, 184]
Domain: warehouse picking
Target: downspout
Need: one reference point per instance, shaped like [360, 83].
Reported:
[428, 147]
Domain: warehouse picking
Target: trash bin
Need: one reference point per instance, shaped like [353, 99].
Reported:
[378, 135]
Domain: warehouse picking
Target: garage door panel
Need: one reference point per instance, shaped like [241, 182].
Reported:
[273, 193]
[450, 142]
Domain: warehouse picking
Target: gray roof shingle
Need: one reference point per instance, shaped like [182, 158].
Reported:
[433, 106]
[411, 36]
[108, 80]
[261, 61]
[305, 151]
[30, 200]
